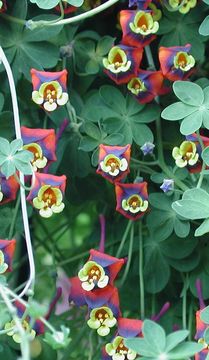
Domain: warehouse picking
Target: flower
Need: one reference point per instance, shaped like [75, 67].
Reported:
[176, 63]
[114, 162]
[47, 194]
[199, 336]
[68, 9]
[8, 189]
[122, 63]
[102, 320]
[167, 185]
[141, 4]
[132, 199]
[101, 290]
[186, 154]
[42, 144]
[49, 88]
[193, 137]
[147, 148]
[116, 350]
[7, 249]
[183, 6]
[138, 27]
[146, 86]
[36, 329]
[3, 6]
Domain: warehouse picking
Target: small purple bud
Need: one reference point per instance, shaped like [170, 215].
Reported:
[139, 3]
[147, 148]
[167, 185]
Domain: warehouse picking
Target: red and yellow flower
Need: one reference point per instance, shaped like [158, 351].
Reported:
[8, 189]
[114, 162]
[176, 62]
[132, 199]
[186, 154]
[42, 143]
[49, 88]
[122, 63]
[47, 194]
[7, 249]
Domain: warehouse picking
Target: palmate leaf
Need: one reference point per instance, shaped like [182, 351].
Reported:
[194, 204]
[26, 48]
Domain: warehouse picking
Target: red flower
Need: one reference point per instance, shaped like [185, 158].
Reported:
[114, 162]
[49, 88]
[3, 7]
[8, 189]
[176, 62]
[122, 63]
[7, 249]
[47, 194]
[138, 27]
[42, 143]
[132, 199]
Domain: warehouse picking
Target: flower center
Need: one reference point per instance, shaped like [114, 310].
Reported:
[113, 163]
[122, 349]
[142, 23]
[49, 197]
[134, 202]
[101, 315]
[117, 61]
[50, 93]
[182, 61]
[36, 151]
[94, 274]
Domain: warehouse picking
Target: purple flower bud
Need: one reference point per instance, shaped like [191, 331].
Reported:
[147, 148]
[167, 185]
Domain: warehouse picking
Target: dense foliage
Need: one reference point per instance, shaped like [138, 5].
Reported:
[113, 156]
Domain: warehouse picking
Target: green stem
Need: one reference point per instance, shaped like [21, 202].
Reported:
[130, 252]
[199, 183]
[28, 188]
[148, 163]
[184, 302]
[61, 21]
[124, 238]
[141, 277]
[14, 218]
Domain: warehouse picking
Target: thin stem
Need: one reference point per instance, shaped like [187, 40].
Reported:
[184, 302]
[27, 188]
[149, 57]
[14, 218]
[124, 238]
[31, 280]
[102, 237]
[199, 183]
[24, 345]
[150, 163]
[141, 277]
[130, 252]
[90, 346]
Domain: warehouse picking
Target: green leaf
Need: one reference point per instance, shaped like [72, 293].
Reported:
[154, 335]
[204, 315]
[175, 338]
[45, 4]
[1, 101]
[191, 123]
[203, 228]
[205, 155]
[140, 346]
[204, 27]
[185, 350]
[194, 204]
[188, 92]
[87, 143]
[177, 111]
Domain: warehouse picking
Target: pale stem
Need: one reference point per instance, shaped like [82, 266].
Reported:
[31, 280]
[24, 345]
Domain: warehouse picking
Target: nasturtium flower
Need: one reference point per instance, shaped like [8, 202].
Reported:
[114, 162]
[132, 199]
[187, 6]
[199, 336]
[47, 194]
[3, 6]
[138, 27]
[186, 154]
[101, 290]
[36, 329]
[176, 62]
[116, 350]
[7, 249]
[102, 320]
[49, 88]
[193, 137]
[141, 4]
[8, 189]
[146, 85]
[122, 63]
[42, 144]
